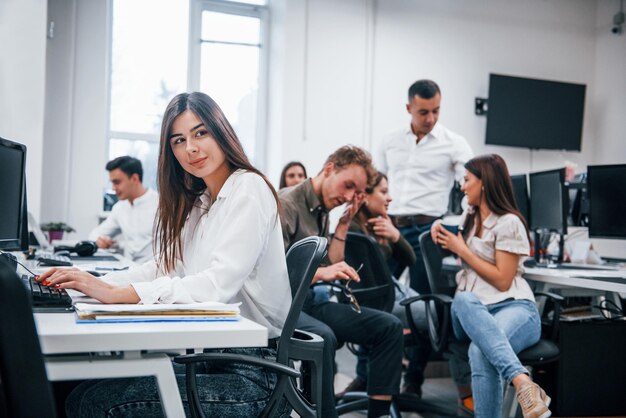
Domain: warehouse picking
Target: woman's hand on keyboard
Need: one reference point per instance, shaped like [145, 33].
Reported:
[72, 278]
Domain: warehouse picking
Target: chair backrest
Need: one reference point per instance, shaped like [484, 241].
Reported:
[433, 258]
[23, 382]
[376, 288]
[303, 259]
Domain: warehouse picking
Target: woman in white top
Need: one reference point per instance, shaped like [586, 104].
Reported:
[220, 240]
[494, 306]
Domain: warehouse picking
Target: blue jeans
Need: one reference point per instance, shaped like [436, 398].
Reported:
[419, 279]
[497, 332]
[226, 390]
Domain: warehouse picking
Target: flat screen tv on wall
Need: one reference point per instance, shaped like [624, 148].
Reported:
[536, 114]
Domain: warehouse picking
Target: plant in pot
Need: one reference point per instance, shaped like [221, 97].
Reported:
[56, 229]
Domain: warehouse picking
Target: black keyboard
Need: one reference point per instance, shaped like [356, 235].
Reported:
[49, 259]
[47, 299]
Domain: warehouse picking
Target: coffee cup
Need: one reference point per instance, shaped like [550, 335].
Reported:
[452, 228]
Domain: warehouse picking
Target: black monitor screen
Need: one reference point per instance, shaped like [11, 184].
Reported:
[530, 113]
[548, 201]
[12, 194]
[606, 187]
[520, 190]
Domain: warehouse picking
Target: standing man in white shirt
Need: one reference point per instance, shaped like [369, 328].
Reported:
[132, 217]
[421, 161]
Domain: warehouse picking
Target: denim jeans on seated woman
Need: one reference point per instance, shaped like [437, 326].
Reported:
[497, 332]
[226, 390]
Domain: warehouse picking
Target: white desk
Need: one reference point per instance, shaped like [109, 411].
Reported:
[83, 351]
[611, 282]
[605, 280]
[79, 351]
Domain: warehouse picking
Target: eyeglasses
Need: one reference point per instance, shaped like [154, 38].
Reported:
[347, 292]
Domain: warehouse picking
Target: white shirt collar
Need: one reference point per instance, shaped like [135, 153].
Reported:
[434, 133]
[224, 192]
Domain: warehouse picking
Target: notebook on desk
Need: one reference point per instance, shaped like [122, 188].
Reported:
[193, 312]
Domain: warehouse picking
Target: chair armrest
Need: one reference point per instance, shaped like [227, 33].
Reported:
[439, 297]
[334, 284]
[237, 358]
[437, 328]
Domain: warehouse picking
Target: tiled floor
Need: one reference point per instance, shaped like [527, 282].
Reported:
[441, 391]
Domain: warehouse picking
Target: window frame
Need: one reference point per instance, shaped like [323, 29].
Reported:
[196, 7]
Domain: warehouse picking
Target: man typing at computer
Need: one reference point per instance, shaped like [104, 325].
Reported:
[130, 222]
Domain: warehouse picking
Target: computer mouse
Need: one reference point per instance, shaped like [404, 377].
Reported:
[530, 262]
[94, 273]
[62, 252]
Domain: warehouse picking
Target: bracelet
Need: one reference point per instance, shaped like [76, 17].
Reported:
[339, 239]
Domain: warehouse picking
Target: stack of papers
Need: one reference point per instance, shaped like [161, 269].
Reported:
[193, 312]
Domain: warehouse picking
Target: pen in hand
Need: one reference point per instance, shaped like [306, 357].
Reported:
[112, 268]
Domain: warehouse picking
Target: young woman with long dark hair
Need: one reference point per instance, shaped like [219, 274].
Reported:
[494, 306]
[220, 239]
[293, 173]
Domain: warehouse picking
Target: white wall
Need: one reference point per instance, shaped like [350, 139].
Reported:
[361, 56]
[22, 84]
[610, 80]
[76, 113]
[459, 43]
[89, 122]
[319, 58]
[60, 56]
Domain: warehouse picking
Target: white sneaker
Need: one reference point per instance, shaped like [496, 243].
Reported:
[534, 401]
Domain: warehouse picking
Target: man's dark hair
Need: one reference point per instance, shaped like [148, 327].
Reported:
[128, 165]
[426, 89]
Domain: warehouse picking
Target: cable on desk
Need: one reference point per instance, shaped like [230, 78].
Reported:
[610, 307]
[14, 259]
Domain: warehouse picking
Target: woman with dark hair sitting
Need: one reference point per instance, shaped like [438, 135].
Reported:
[293, 173]
[494, 306]
[220, 240]
[372, 220]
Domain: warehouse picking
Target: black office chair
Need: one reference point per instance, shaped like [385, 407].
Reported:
[438, 317]
[24, 387]
[376, 290]
[303, 259]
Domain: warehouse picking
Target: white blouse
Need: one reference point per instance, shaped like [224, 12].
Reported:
[134, 222]
[232, 252]
[504, 233]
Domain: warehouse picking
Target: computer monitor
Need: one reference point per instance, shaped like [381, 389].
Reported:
[520, 190]
[556, 109]
[13, 211]
[578, 201]
[606, 186]
[549, 202]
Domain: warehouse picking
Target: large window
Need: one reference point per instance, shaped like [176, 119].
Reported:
[160, 48]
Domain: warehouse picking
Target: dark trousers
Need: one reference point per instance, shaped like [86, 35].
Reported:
[417, 355]
[380, 332]
[419, 280]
